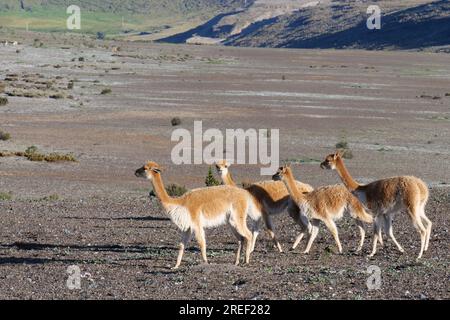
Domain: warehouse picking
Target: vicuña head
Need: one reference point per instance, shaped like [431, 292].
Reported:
[330, 161]
[222, 167]
[148, 170]
[282, 173]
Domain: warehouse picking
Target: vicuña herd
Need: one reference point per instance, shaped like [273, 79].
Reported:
[376, 203]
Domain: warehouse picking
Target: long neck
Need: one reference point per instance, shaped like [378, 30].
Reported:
[227, 179]
[160, 190]
[289, 181]
[346, 178]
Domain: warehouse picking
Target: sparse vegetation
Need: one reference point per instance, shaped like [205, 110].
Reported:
[32, 153]
[175, 121]
[301, 160]
[100, 35]
[56, 96]
[106, 91]
[173, 189]
[50, 198]
[5, 196]
[344, 148]
[246, 184]
[4, 136]
[38, 43]
[3, 101]
[210, 181]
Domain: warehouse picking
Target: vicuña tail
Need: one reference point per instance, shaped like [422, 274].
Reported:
[358, 212]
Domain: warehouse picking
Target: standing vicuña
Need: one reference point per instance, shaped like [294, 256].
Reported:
[326, 204]
[386, 197]
[270, 197]
[204, 208]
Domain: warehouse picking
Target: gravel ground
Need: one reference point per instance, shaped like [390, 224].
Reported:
[125, 247]
[390, 107]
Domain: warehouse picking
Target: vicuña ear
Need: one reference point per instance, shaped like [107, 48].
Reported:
[338, 154]
[157, 170]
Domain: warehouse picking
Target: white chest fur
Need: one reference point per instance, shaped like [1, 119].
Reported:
[180, 216]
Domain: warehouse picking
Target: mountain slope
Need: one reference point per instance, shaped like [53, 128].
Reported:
[406, 24]
[113, 16]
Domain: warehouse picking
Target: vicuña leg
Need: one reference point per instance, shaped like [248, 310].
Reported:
[312, 235]
[334, 231]
[302, 221]
[377, 226]
[185, 238]
[362, 233]
[200, 236]
[390, 231]
[417, 221]
[269, 225]
[427, 223]
[255, 232]
[240, 241]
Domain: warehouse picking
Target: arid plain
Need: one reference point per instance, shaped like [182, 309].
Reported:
[392, 110]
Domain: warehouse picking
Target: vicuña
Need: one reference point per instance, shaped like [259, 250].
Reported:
[204, 208]
[386, 197]
[270, 197]
[326, 204]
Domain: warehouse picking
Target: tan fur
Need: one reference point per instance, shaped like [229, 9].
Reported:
[326, 204]
[387, 196]
[270, 197]
[204, 208]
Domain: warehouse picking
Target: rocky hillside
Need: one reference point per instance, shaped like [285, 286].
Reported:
[406, 24]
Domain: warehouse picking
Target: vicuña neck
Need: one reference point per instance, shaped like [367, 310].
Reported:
[160, 190]
[346, 178]
[228, 180]
[289, 181]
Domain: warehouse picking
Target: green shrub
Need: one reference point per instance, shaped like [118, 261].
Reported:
[175, 121]
[32, 154]
[52, 197]
[3, 101]
[5, 196]
[106, 91]
[56, 96]
[210, 181]
[344, 148]
[4, 136]
[173, 190]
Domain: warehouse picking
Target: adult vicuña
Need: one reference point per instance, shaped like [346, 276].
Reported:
[204, 208]
[386, 197]
[326, 204]
[270, 197]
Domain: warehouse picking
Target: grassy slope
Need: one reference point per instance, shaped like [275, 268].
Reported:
[106, 16]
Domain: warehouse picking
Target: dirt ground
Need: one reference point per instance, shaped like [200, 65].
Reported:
[392, 108]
